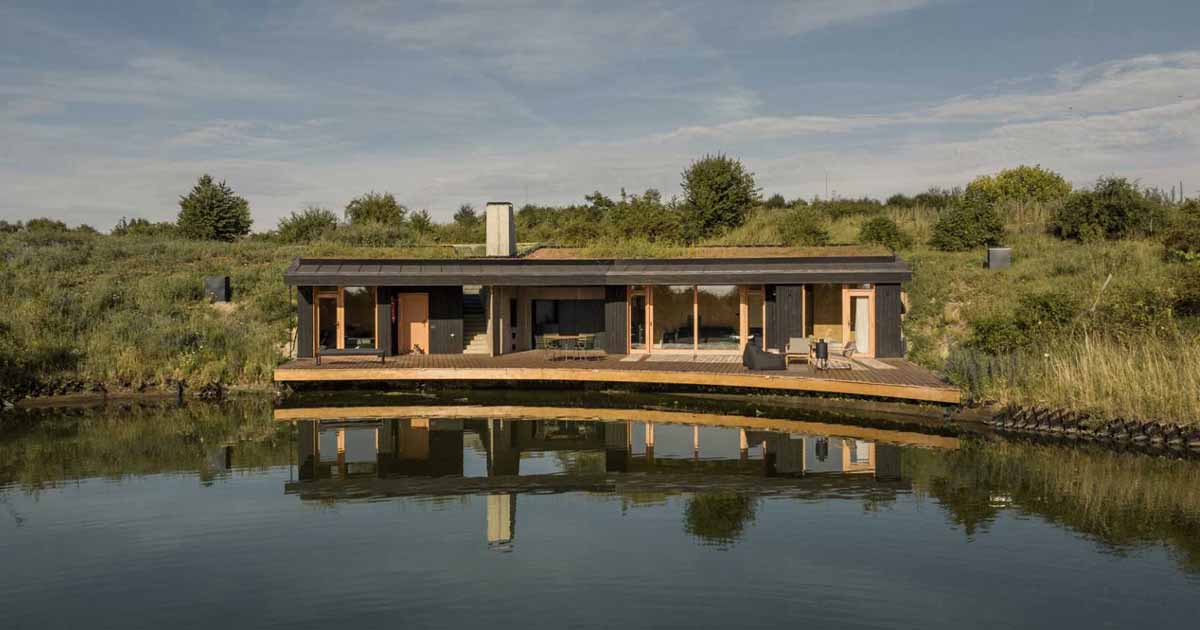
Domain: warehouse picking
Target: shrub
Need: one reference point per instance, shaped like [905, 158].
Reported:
[884, 231]
[375, 207]
[1137, 309]
[1182, 239]
[1037, 319]
[421, 222]
[310, 224]
[972, 222]
[1023, 184]
[1185, 280]
[213, 212]
[1113, 208]
[804, 227]
[372, 234]
[718, 192]
[776, 201]
[142, 227]
[840, 208]
[643, 217]
[45, 225]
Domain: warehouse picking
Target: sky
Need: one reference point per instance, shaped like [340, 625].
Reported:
[111, 110]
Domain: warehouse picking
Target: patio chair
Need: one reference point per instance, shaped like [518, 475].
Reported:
[798, 349]
[755, 358]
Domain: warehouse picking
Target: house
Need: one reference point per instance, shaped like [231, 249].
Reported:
[504, 303]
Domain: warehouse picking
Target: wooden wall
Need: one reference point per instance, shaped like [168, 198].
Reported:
[304, 322]
[616, 326]
[887, 321]
[789, 311]
[383, 320]
[445, 318]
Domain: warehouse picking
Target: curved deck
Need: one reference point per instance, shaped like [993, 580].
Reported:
[881, 378]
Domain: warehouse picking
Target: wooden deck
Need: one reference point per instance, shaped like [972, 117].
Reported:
[884, 378]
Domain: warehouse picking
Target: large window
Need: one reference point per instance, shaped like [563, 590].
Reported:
[718, 307]
[327, 321]
[754, 313]
[359, 314]
[673, 317]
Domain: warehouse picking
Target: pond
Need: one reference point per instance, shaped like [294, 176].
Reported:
[456, 516]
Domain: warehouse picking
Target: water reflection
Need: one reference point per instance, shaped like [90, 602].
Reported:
[722, 469]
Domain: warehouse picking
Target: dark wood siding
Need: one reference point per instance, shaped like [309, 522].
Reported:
[788, 312]
[383, 319]
[445, 319]
[304, 322]
[615, 320]
[773, 325]
[887, 321]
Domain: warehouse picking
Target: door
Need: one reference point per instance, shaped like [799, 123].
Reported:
[327, 322]
[413, 323]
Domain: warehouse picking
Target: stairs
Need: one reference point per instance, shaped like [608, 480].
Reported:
[475, 337]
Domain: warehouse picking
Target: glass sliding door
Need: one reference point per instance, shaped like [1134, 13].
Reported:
[860, 323]
[718, 309]
[674, 317]
[754, 315]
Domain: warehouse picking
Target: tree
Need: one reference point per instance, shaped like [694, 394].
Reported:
[717, 192]
[1182, 239]
[971, 222]
[776, 201]
[310, 224]
[1113, 208]
[213, 212]
[466, 216]
[719, 518]
[375, 207]
[421, 222]
[643, 217]
[1023, 184]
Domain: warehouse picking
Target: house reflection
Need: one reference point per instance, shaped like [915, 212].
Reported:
[501, 458]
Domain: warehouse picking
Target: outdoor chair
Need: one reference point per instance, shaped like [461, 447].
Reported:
[755, 358]
[798, 349]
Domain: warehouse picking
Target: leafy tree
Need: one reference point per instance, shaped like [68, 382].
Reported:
[971, 222]
[938, 198]
[900, 200]
[1114, 208]
[466, 216]
[776, 201]
[717, 192]
[213, 212]
[719, 518]
[1023, 184]
[421, 222]
[375, 207]
[310, 224]
[9, 228]
[804, 227]
[884, 231]
[643, 217]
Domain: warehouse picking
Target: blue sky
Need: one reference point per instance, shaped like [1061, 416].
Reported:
[111, 111]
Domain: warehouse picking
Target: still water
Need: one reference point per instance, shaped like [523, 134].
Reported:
[227, 516]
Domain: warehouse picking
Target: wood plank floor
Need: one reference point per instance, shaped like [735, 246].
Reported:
[902, 380]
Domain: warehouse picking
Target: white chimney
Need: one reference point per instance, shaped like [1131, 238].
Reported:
[501, 233]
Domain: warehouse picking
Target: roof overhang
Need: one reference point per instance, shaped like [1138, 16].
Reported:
[596, 272]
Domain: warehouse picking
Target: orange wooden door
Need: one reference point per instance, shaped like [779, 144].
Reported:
[413, 323]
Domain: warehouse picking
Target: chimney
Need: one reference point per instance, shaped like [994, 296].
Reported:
[501, 234]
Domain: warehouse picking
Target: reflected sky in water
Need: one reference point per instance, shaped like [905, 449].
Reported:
[234, 519]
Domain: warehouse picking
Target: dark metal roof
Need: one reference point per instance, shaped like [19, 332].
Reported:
[526, 272]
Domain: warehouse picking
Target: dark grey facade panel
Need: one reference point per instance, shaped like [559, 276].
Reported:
[616, 326]
[304, 322]
[383, 319]
[773, 325]
[887, 321]
[789, 308]
[445, 319]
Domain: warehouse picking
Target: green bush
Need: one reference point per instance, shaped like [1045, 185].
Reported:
[1182, 239]
[1036, 319]
[972, 222]
[841, 208]
[372, 234]
[373, 207]
[213, 212]
[142, 227]
[1023, 184]
[884, 231]
[1185, 279]
[643, 217]
[1137, 308]
[308, 225]
[804, 227]
[776, 201]
[1114, 208]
